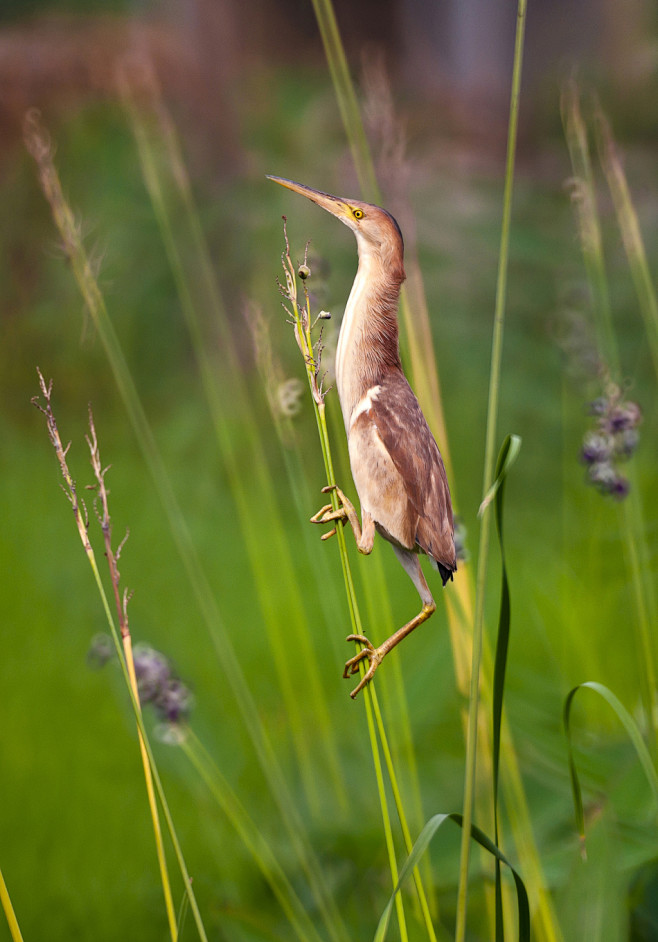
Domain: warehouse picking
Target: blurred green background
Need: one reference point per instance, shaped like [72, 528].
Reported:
[248, 90]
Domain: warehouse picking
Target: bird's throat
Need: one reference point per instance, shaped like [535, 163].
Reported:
[368, 341]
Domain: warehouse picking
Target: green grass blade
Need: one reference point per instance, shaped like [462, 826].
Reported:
[634, 735]
[589, 226]
[8, 909]
[253, 839]
[506, 458]
[347, 101]
[421, 845]
[631, 234]
[489, 460]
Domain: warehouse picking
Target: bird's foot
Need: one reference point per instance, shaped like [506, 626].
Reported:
[369, 652]
[327, 514]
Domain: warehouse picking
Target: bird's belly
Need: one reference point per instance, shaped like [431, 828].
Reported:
[379, 484]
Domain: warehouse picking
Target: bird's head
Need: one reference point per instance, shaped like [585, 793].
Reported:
[377, 233]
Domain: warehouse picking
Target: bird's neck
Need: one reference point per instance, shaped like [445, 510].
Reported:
[368, 341]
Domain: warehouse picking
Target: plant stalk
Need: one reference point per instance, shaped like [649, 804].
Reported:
[489, 464]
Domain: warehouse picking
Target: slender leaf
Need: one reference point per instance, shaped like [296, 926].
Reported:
[419, 848]
[506, 458]
[634, 735]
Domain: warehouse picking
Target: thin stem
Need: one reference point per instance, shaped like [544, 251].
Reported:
[631, 518]
[589, 226]
[122, 615]
[346, 97]
[631, 234]
[301, 315]
[252, 838]
[489, 463]
[10, 915]
[79, 512]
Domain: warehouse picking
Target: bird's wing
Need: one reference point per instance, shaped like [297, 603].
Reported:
[406, 436]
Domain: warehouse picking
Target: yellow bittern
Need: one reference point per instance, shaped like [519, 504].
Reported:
[396, 464]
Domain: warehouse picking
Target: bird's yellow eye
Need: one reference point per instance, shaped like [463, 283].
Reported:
[357, 213]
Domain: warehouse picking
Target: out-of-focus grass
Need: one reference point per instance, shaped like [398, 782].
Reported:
[68, 752]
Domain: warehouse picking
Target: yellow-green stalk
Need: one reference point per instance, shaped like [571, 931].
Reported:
[124, 654]
[10, 915]
[301, 318]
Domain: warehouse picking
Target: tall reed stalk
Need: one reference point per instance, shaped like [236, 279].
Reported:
[489, 462]
[302, 321]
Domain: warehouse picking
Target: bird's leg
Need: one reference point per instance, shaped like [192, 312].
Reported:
[374, 655]
[364, 535]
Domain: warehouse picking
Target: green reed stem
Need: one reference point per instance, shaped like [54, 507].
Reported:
[303, 325]
[489, 464]
[10, 915]
[589, 227]
[41, 149]
[252, 837]
[302, 322]
[346, 97]
[631, 234]
[640, 569]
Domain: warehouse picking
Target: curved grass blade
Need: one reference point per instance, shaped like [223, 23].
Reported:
[419, 848]
[634, 735]
[506, 458]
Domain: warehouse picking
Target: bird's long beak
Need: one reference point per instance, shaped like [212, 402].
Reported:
[332, 204]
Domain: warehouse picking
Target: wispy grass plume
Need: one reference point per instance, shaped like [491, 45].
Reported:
[629, 227]
[123, 645]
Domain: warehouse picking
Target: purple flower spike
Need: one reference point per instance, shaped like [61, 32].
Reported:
[625, 416]
[620, 488]
[597, 448]
[152, 670]
[174, 702]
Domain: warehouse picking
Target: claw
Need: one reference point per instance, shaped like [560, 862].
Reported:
[327, 514]
[369, 652]
[317, 517]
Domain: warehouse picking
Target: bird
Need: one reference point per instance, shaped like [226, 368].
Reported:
[396, 465]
